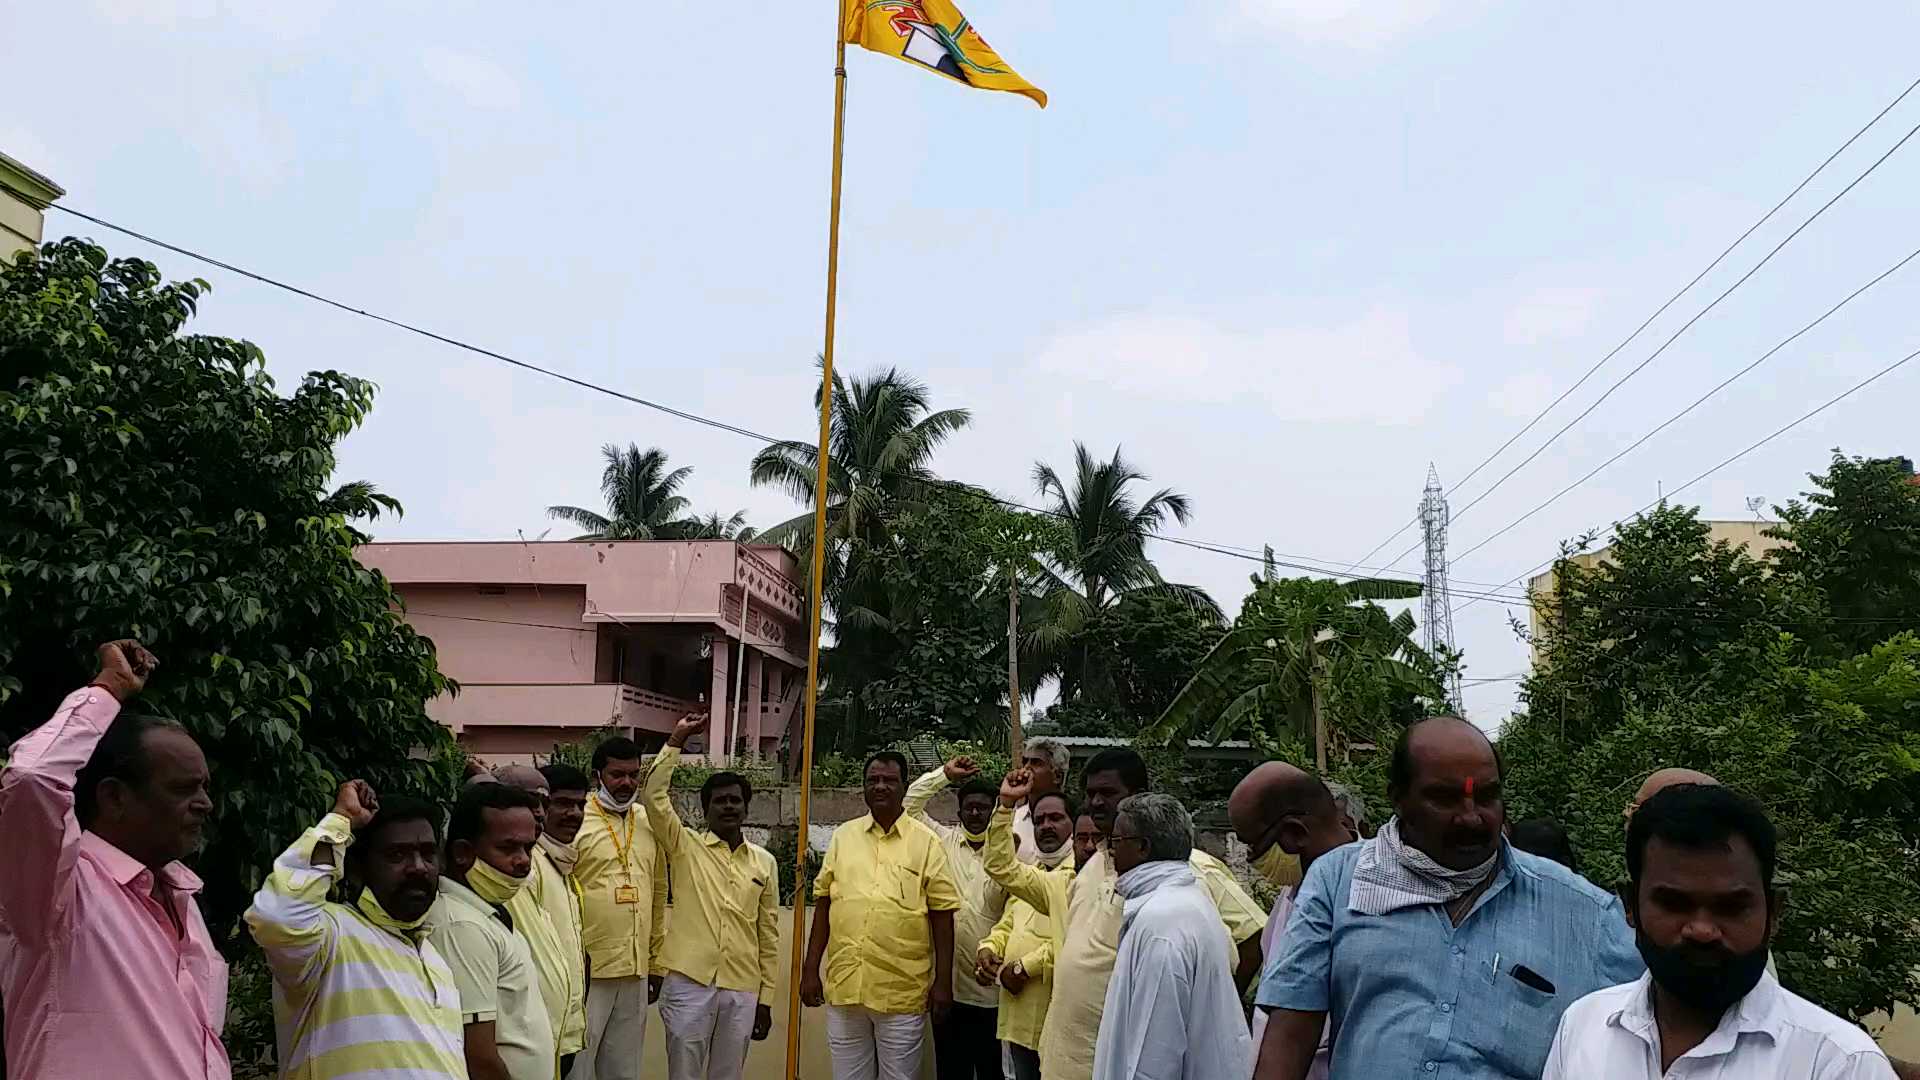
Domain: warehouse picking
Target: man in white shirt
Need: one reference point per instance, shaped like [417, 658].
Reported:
[1172, 1010]
[1046, 761]
[1700, 865]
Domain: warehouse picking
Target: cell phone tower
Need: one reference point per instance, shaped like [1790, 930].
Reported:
[1436, 599]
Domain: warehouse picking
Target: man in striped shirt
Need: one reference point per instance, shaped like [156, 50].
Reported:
[358, 988]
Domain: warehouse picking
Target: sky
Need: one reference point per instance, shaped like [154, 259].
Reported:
[1285, 253]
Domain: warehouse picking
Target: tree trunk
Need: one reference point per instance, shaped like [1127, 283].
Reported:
[1319, 715]
[1015, 739]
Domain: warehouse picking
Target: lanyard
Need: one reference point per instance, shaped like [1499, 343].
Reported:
[621, 844]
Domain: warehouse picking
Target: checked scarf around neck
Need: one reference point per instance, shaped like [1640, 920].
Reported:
[1391, 874]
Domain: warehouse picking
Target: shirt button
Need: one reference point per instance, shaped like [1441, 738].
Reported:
[1430, 1066]
[1446, 1006]
[1457, 950]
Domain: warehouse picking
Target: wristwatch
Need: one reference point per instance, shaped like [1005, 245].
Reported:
[1020, 969]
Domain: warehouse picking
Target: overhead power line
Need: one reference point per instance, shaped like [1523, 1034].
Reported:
[1696, 403]
[1637, 368]
[1782, 430]
[1244, 554]
[1648, 321]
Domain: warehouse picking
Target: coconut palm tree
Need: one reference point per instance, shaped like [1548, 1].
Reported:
[880, 451]
[715, 527]
[1099, 558]
[643, 500]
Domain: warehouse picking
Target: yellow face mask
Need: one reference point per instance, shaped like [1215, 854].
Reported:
[1280, 869]
[493, 886]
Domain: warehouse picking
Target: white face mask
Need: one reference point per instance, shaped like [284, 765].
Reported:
[607, 800]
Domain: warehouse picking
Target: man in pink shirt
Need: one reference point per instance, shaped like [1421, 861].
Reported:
[113, 972]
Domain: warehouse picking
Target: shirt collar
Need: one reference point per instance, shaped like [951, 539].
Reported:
[873, 825]
[1756, 1014]
[125, 870]
[458, 893]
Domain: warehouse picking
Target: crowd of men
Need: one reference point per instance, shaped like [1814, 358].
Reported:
[524, 935]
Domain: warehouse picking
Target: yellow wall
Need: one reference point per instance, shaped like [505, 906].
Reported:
[20, 221]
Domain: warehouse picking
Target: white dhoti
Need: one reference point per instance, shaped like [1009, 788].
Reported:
[708, 1029]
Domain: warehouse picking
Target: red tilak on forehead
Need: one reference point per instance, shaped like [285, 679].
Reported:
[1469, 787]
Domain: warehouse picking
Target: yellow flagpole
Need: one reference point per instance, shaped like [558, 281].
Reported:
[819, 545]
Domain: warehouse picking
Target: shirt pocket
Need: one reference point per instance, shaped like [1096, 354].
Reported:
[903, 886]
[1520, 1022]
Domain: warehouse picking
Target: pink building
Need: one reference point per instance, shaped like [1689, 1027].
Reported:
[553, 641]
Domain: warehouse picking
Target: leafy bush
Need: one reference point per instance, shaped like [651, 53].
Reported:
[158, 486]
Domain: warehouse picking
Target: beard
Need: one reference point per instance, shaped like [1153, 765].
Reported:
[1711, 978]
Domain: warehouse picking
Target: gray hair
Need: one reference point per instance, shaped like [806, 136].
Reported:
[1348, 802]
[1162, 824]
[1054, 751]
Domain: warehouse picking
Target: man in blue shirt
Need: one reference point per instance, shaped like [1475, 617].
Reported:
[1437, 949]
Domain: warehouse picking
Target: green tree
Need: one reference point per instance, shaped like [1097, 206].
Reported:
[879, 452]
[1099, 561]
[643, 498]
[1308, 661]
[1147, 648]
[930, 618]
[159, 487]
[1678, 651]
[1855, 542]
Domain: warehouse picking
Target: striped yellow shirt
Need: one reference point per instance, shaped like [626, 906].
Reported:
[351, 998]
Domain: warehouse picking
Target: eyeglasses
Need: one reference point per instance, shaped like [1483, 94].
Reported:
[1116, 838]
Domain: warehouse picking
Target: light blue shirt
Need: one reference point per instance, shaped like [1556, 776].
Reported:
[1411, 995]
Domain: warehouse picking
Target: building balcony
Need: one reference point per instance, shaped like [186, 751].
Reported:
[564, 707]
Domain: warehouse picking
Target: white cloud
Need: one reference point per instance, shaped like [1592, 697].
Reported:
[1551, 312]
[1354, 23]
[477, 80]
[1364, 370]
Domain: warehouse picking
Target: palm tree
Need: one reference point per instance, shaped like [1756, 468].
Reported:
[643, 500]
[880, 450]
[715, 527]
[1099, 559]
[1298, 642]
[359, 500]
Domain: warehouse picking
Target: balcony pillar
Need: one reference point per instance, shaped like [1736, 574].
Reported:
[716, 740]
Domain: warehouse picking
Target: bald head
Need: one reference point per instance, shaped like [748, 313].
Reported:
[1274, 790]
[1445, 781]
[1284, 806]
[1663, 779]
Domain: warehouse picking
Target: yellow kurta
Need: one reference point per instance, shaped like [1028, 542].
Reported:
[550, 961]
[882, 883]
[1087, 933]
[623, 891]
[559, 898]
[1025, 934]
[982, 901]
[723, 928]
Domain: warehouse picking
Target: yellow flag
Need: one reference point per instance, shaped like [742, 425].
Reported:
[933, 34]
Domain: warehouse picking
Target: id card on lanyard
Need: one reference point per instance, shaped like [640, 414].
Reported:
[622, 846]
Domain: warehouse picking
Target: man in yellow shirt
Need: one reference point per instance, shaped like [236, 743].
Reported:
[1087, 928]
[963, 1044]
[555, 858]
[723, 941]
[883, 907]
[1018, 955]
[623, 903]
[547, 914]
